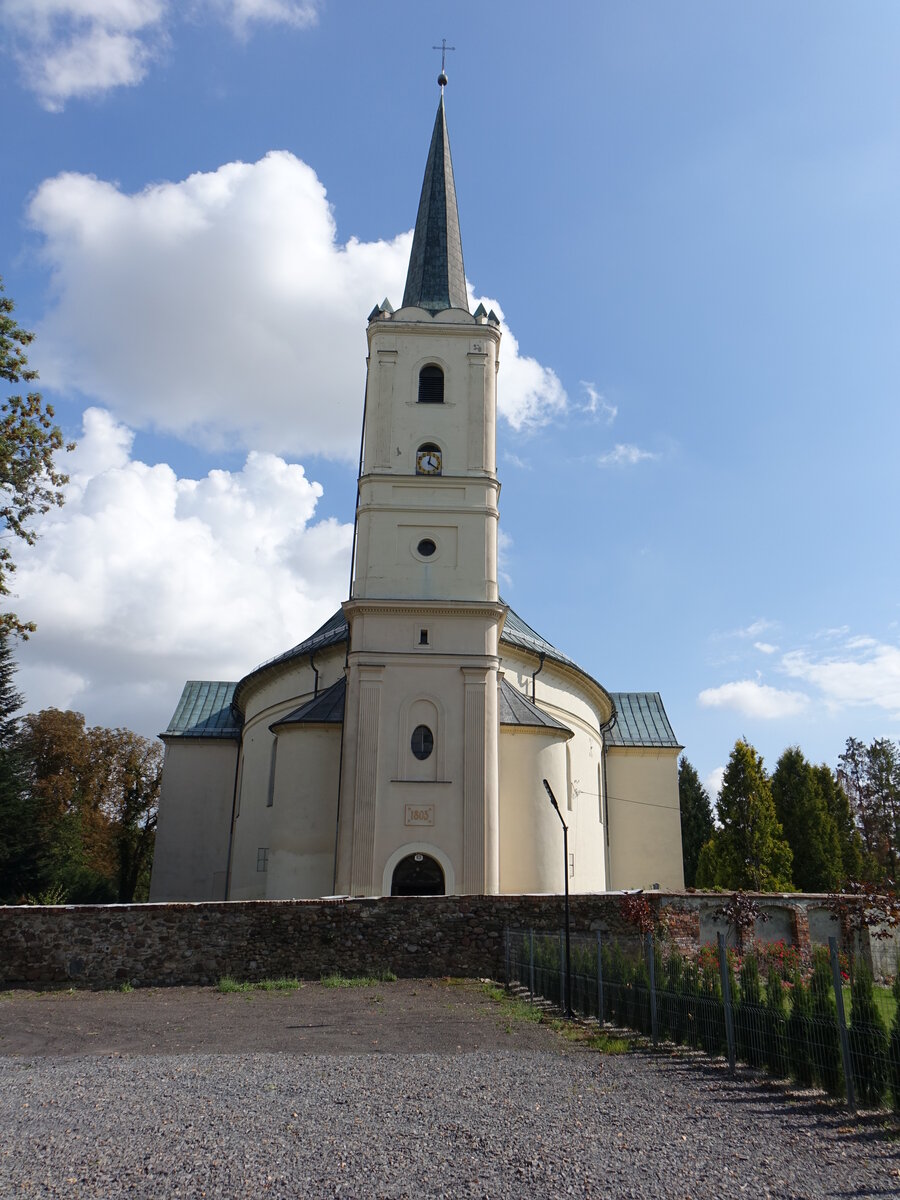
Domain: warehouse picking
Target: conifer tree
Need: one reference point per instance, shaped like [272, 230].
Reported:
[749, 852]
[808, 824]
[696, 818]
[838, 804]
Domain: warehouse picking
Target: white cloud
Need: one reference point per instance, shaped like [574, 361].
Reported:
[68, 49]
[528, 395]
[514, 460]
[713, 782]
[863, 672]
[143, 579]
[223, 309]
[625, 456]
[597, 404]
[765, 647]
[753, 699]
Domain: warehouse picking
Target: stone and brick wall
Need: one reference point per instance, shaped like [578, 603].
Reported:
[166, 944]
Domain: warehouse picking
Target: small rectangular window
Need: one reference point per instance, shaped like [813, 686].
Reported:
[423, 637]
[571, 864]
[262, 858]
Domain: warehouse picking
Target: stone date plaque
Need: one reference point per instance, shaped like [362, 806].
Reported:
[419, 814]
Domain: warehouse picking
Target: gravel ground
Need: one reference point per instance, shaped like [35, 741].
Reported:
[536, 1121]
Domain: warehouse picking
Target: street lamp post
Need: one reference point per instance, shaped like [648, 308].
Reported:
[568, 1007]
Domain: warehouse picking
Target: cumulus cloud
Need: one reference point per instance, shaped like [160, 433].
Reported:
[751, 698]
[713, 782]
[223, 309]
[597, 404]
[862, 672]
[68, 49]
[765, 647]
[144, 579]
[625, 456]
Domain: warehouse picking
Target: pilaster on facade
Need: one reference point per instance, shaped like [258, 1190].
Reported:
[370, 680]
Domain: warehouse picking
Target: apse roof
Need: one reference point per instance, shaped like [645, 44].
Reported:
[516, 632]
[516, 709]
[325, 709]
[436, 279]
[205, 711]
[641, 721]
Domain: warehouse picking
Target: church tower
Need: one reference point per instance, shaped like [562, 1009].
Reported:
[419, 790]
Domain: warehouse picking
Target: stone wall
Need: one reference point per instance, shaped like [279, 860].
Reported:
[166, 944]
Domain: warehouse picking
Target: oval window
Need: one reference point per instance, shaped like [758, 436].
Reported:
[426, 547]
[422, 741]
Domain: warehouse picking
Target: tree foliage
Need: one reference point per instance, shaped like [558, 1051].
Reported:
[697, 823]
[30, 483]
[870, 776]
[749, 851]
[19, 839]
[93, 794]
[808, 823]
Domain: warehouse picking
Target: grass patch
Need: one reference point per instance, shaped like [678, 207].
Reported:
[125, 986]
[227, 984]
[352, 981]
[590, 1037]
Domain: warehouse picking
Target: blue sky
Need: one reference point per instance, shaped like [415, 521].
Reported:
[688, 216]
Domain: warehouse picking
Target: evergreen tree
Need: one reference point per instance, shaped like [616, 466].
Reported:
[808, 824]
[696, 818]
[19, 843]
[838, 804]
[868, 1040]
[749, 852]
[870, 776]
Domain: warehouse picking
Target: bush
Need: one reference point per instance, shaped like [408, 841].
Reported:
[799, 1032]
[749, 1015]
[868, 1040]
[827, 1042]
[776, 1026]
[894, 1051]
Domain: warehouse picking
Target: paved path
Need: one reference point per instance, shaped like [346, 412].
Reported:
[412, 1089]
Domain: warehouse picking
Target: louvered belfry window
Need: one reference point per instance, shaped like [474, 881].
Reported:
[431, 385]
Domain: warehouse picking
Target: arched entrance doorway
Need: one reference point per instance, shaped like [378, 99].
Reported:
[418, 875]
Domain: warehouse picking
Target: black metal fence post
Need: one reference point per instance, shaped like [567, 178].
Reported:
[651, 971]
[563, 998]
[506, 936]
[531, 964]
[842, 1022]
[726, 1001]
[600, 1014]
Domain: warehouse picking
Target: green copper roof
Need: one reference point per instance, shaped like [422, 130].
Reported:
[437, 278]
[640, 721]
[204, 711]
[516, 709]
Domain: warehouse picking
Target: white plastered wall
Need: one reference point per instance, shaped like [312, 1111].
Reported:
[644, 818]
[304, 812]
[191, 856]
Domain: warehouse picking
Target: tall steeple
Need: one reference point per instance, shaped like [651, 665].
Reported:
[437, 279]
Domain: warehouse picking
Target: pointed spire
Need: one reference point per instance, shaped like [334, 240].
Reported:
[437, 279]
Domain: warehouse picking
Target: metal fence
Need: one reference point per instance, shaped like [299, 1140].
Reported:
[805, 1021]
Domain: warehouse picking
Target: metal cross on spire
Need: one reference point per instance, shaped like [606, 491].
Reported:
[443, 47]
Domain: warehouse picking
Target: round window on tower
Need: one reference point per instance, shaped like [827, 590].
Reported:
[422, 742]
[427, 547]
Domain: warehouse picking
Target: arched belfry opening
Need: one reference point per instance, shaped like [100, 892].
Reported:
[431, 385]
[418, 875]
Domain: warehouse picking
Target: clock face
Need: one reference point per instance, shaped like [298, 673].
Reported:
[428, 462]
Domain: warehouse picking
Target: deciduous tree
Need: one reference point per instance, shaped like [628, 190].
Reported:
[19, 838]
[30, 482]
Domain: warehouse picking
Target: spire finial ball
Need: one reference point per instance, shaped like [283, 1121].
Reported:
[442, 79]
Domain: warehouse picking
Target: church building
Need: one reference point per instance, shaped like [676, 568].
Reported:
[402, 747]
